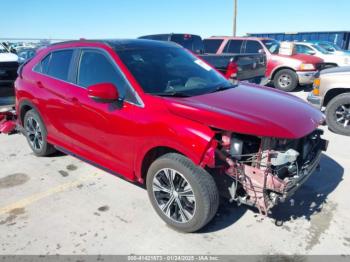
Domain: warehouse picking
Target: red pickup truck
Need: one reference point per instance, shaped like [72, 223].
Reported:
[285, 72]
[155, 114]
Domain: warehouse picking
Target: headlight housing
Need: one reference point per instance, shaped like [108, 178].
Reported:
[307, 67]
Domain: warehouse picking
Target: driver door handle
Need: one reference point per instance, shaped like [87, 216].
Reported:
[75, 101]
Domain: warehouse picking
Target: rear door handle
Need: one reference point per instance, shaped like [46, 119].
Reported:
[75, 101]
[39, 84]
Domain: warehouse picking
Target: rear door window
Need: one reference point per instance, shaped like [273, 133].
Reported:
[233, 47]
[252, 47]
[59, 64]
[211, 46]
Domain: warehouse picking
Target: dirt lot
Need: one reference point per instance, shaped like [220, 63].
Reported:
[60, 205]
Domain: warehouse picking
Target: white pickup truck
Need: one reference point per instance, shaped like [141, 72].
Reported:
[9, 63]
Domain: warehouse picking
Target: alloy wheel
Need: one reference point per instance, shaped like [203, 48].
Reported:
[342, 114]
[34, 133]
[174, 195]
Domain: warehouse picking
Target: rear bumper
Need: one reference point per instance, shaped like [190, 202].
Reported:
[306, 77]
[315, 101]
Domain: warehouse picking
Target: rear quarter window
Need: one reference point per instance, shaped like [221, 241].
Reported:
[211, 46]
[233, 47]
[43, 65]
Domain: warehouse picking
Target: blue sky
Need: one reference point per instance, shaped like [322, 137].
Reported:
[132, 18]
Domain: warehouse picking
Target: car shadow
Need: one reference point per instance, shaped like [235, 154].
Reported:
[227, 214]
[304, 88]
[57, 153]
[299, 88]
[309, 199]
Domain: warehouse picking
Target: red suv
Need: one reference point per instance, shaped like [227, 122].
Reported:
[156, 114]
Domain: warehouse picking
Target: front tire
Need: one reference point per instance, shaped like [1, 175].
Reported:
[36, 134]
[338, 114]
[184, 195]
[286, 80]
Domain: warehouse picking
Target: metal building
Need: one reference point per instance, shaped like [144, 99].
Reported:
[341, 38]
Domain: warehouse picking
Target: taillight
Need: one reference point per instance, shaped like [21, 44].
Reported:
[232, 70]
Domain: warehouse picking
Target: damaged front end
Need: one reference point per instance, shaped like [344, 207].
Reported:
[264, 171]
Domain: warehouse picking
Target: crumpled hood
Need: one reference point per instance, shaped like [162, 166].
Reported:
[250, 109]
[307, 59]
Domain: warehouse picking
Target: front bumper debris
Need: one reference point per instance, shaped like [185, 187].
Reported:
[267, 178]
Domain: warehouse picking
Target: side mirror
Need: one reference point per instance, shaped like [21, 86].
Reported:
[103, 93]
[261, 51]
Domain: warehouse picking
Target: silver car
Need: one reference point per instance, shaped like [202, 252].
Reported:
[331, 93]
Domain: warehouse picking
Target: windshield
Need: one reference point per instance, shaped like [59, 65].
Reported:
[330, 46]
[171, 71]
[272, 45]
[321, 49]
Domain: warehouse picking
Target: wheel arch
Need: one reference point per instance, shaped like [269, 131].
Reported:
[332, 93]
[24, 107]
[147, 156]
[151, 155]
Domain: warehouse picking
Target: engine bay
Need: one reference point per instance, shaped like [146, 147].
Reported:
[265, 171]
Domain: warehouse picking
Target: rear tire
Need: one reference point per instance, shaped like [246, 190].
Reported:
[36, 134]
[189, 200]
[338, 114]
[286, 80]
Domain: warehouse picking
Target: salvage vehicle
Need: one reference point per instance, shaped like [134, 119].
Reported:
[331, 47]
[242, 67]
[329, 58]
[285, 72]
[331, 92]
[9, 63]
[26, 53]
[155, 114]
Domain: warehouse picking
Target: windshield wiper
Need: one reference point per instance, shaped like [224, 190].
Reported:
[222, 87]
[175, 94]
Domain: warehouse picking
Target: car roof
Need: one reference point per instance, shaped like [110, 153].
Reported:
[239, 38]
[116, 44]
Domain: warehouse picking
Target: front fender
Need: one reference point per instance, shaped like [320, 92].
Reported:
[190, 139]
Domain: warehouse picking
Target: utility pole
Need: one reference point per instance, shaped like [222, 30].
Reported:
[235, 18]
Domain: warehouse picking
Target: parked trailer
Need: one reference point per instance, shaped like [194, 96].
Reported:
[341, 38]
